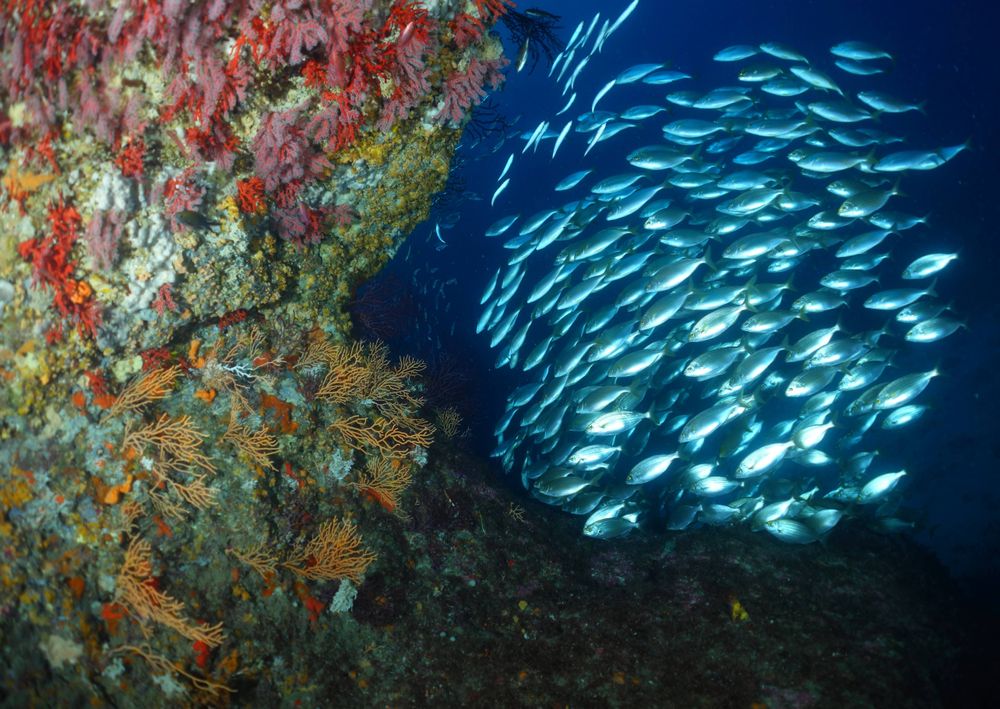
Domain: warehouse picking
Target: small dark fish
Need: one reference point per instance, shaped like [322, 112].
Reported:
[196, 220]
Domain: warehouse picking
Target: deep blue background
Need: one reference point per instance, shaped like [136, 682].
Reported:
[946, 54]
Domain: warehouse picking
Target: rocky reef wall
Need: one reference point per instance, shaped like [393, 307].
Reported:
[189, 194]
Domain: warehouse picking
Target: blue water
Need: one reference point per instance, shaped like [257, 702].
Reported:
[945, 55]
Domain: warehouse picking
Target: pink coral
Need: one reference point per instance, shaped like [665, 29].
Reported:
[296, 31]
[103, 234]
[300, 224]
[411, 26]
[465, 89]
[283, 153]
[180, 194]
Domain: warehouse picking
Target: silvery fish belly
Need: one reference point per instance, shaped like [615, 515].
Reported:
[728, 324]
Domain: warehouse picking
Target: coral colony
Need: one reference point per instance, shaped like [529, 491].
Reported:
[191, 191]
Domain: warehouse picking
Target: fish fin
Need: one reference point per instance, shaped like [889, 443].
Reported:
[710, 262]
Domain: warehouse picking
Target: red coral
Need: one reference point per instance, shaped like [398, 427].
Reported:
[314, 72]
[343, 19]
[467, 28]
[344, 215]
[155, 358]
[129, 160]
[97, 383]
[5, 128]
[44, 149]
[287, 195]
[411, 25]
[232, 317]
[335, 124]
[53, 269]
[257, 36]
[214, 144]
[219, 88]
[492, 10]
[250, 195]
[164, 300]
[180, 194]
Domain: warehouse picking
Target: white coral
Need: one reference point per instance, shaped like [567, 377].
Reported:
[152, 263]
[343, 599]
[60, 651]
[113, 191]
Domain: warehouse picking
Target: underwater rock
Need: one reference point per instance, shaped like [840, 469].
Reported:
[189, 194]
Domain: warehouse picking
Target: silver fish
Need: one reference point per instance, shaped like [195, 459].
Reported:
[859, 51]
[904, 415]
[902, 390]
[879, 487]
[887, 104]
[858, 68]
[791, 531]
[735, 53]
[816, 78]
[572, 181]
[649, 469]
[933, 329]
[927, 266]
[634, 349]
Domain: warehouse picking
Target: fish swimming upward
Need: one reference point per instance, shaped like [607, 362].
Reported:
[710, 330]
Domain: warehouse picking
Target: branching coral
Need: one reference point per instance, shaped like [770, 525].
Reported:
[137, 591]
[335, 552]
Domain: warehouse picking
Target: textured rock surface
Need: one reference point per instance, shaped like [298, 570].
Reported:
[190, 193]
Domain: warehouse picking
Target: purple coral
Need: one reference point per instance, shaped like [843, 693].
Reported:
[282, 152]
[465, 89]
[179, 194]
[299, 224]
[103, 234]
[409, 73]
[296, 31]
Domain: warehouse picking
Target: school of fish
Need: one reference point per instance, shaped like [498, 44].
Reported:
[715, 334]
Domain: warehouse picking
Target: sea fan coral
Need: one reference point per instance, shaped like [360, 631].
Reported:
[283, 153]
[466, 88]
